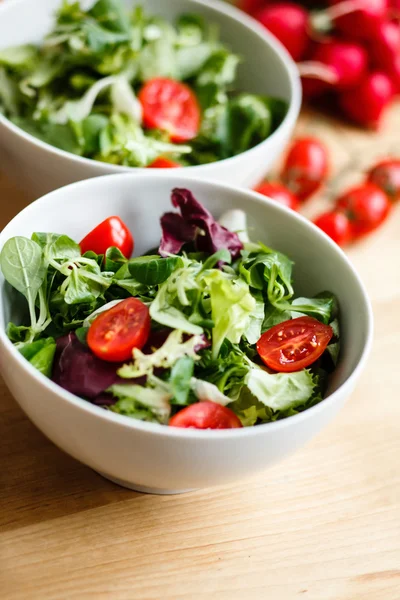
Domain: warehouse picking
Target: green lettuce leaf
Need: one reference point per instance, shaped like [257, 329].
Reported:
[231, 307]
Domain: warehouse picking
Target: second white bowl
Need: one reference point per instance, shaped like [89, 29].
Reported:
[267, 69]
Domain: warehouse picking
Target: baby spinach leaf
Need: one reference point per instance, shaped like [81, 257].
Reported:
[153, 270]
[40, 354]
[22, 266]
[114, 259]
[181, 374]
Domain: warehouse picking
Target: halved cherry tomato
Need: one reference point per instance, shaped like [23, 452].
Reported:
[294, 344]
[335, 224]
[170, 106]
[366, 205]
[163, 163]
[115, 332]
[306, 167]
[386, 175]
[110, 232]
[280, 193]
[206, 415]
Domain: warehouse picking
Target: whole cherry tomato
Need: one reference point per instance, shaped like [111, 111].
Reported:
[110, 232]
[163, 163]
[294, 345]
[366, 205]
[206, 415]
[170, 106]
[386, 175]
[335, 224]
[306, 167]
[280, 193]
[115, 332]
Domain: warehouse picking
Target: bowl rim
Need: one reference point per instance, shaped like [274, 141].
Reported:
[174, 432]
[231, 12]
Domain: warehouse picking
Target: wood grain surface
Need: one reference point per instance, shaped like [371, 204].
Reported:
[323, 525]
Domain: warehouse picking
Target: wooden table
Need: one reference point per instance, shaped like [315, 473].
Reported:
[323, 525]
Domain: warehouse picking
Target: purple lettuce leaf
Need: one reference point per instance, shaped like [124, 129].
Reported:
[79, 371]
[195, 224]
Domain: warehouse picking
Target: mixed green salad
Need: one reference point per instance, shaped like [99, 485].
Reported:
[204, 331]
[132, 89]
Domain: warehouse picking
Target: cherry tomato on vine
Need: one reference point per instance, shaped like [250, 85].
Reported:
[335, 224]
[386, 175]
[170, 106]
[115, 332]
[280, 193]
[306, 167]
[110, 232]
[367, 207]
[163, 163]
[294, 344]
[206, 415]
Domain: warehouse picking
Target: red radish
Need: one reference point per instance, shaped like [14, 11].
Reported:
[394, 74]
[289, 23]
[336, 225]
[306, 167]
[385, 45]
[361, 23]
[366, 102]
[251, 6]
[367, 207]
[279, 193]
[386, 175]
[347, 59]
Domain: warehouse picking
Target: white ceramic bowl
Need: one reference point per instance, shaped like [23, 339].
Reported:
[267, 69]
[153, 457]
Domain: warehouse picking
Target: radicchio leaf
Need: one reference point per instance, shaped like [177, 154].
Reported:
[194, 224]
[78, 371]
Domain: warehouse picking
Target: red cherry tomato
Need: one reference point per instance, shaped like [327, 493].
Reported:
[110, 232]
[305, 167]
[335, 224]
[115, 332]
[163, 163]
[367, 206]
[386, 175]
[294, 344]
[206, 415]
[280, 193]
[171, 106]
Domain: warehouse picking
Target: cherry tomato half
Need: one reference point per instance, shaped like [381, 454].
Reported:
[294, 344]
[170, 106]
[366, 205]
[110, 232]
[206, 415]
[163, 163]
[335, 224]
[386, 175]
[115, 332]
[305, 167]
[280, 193]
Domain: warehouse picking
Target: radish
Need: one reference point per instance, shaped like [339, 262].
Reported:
[385, 44]
[366, 102]
[394, 74]
[289, 23]
[251, 6]
[346, 61]
[360, 22]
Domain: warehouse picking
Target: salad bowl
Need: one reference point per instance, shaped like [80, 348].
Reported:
[148, 456]
[266, 69]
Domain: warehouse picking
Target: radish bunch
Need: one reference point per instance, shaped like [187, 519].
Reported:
[349, 50]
